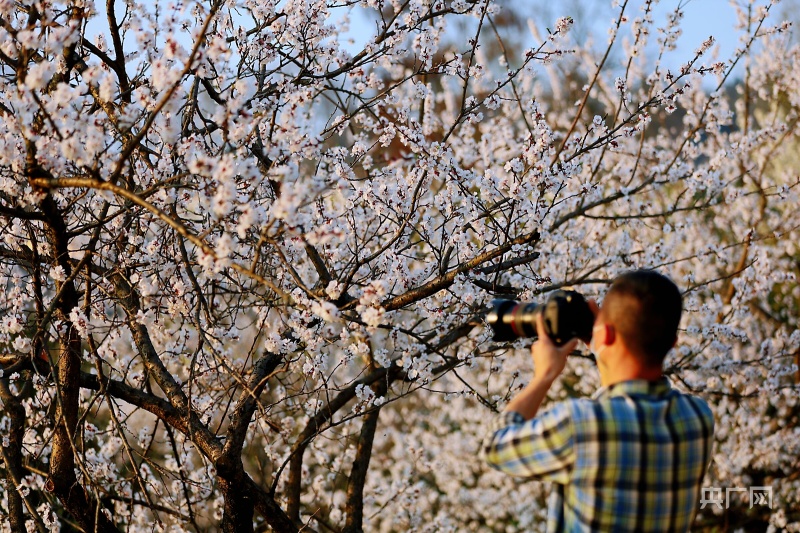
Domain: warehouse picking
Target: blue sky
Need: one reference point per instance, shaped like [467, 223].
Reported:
[702, 18]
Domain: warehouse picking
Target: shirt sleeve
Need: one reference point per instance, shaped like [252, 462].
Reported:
[541, 447]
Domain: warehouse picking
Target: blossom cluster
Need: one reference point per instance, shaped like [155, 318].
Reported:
[251, 243]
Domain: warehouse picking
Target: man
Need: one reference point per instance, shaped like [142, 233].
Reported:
[633, 457]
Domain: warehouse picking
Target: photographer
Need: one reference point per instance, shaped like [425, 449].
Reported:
[631, 458]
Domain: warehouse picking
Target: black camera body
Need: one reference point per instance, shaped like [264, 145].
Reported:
[566, 316]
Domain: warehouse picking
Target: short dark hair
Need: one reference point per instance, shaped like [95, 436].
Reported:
[645, 309]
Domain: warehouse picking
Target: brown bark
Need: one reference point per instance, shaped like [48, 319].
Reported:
[354, 506]
[268, 508]
[233, 483]
[446, 280]
[239, 502]
[12, 456]
[246, 406]
[238, 508]
[62, 481]
[314, 426]
[386, 376]
[198, 432]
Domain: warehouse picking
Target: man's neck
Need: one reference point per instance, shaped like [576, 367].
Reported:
[629, 369]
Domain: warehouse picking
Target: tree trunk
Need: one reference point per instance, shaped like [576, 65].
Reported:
[239, 504]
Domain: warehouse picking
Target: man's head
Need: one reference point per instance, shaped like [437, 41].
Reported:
[640, 314]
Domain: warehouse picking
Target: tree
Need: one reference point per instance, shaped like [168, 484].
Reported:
[245, 261]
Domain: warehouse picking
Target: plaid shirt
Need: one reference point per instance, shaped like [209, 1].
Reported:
[630, 459]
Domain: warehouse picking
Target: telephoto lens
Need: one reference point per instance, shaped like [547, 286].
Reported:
[566, 316]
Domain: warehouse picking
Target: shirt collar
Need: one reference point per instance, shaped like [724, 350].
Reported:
[634, 387]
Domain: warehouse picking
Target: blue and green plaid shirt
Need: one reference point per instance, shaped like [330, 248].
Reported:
[632, 458]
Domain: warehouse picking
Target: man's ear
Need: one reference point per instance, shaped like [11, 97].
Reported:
[609, 334]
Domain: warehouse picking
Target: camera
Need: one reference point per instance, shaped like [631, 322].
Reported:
[566, 315]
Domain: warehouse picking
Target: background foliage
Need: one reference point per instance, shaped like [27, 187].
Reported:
[246, 246]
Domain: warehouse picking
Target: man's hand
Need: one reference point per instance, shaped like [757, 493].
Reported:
[548, 359]
[548, 362]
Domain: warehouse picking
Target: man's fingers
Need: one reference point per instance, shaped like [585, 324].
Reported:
[569, 347]
[540, 331]
[545, 338]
